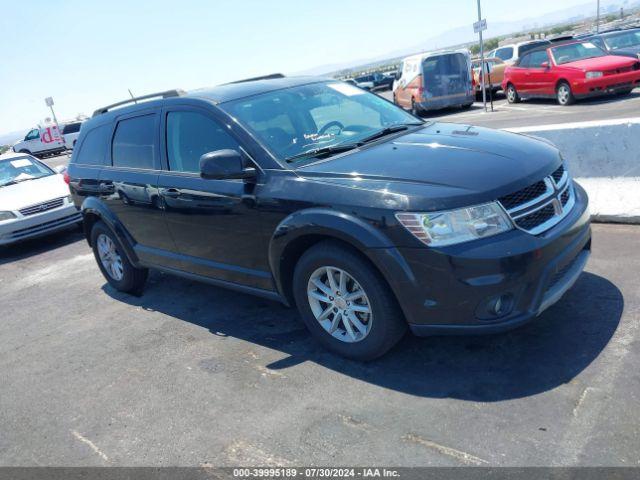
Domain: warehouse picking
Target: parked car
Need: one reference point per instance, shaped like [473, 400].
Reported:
[510, 54]
[41, 141]
[317, 194]
[570, 71]
[70, 133]
[494, 74]
[34, 200]
[620, 42]
[431, 81]
[365, 82]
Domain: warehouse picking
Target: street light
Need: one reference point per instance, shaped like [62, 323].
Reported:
[479, 27]
[597, 18]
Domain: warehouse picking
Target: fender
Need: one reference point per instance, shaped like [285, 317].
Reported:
[94, 206]
[340, 225]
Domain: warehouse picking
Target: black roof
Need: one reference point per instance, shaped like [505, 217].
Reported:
[237, 90]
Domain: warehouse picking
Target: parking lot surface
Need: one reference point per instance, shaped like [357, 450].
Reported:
[539, 112]
[190, 374]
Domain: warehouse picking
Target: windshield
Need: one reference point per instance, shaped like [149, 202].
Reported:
[299, 120]
[15, 170]
[576, 51]
[623, 40]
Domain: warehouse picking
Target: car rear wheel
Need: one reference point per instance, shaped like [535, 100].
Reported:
[415, 110]
[25, 151]
[564, 94]
[345, 303]
[512, 94]
[113, 262]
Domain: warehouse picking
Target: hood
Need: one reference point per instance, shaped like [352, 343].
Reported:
[608, 62]
[31, 192]
[443, 164]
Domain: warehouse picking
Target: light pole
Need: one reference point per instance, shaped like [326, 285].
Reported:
[597, 18]
[484, 92]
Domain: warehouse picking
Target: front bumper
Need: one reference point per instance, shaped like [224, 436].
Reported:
[607, 85]
[23, 228]
[445, 291]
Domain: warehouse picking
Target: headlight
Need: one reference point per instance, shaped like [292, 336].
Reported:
[438, 229]
[594, 74]
[6, 216]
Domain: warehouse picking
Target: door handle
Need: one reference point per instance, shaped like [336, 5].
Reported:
[106, 188]
[170, 192]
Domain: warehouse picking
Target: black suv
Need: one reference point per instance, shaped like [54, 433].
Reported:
[314, 193]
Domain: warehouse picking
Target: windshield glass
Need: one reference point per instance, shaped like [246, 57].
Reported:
[623, 40]
[576, 51]
[15, 170]
[294, 121]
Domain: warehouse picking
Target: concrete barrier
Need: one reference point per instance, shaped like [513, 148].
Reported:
[604, 157]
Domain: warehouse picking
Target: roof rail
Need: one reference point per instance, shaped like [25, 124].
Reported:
[264, 77]
[165, 94]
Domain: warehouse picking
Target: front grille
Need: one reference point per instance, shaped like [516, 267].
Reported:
[537, 218]
[557, 175]
[42, 207]
[541, 205]
[525, 195]
[618, 71]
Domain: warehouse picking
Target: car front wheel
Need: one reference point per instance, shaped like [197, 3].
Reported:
[564, 94]
[113, 262]
[345, 303]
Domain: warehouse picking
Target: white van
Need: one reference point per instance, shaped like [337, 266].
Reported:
[431, 81]
[41, 141]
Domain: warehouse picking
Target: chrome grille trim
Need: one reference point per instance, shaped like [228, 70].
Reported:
[535, 207]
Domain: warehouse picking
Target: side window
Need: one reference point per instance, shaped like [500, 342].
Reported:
[189, 136]
[134, 143]
[525, 62]
[536, 59]
[33, 134]
[93, 149]
[71, 128]
[505, 53]
[598, 42]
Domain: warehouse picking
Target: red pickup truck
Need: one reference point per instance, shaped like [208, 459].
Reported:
[570, 71]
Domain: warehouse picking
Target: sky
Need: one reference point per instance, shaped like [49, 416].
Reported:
[86, 54]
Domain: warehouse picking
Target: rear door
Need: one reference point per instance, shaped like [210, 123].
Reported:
[215, 223]
[519, 75]
[128, 183]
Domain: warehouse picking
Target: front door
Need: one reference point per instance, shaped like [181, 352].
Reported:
[215, 223]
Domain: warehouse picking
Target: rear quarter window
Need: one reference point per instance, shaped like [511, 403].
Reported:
[71, 128]
[93, 149]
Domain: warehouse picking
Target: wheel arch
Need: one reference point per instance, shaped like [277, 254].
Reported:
[93, 211]
[303, 230]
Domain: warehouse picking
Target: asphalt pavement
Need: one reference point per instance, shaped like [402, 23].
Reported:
[539, 112]
[190, 374]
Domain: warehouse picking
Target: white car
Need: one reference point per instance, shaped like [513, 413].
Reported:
[511, 53]
[34, 200]
[70, 133]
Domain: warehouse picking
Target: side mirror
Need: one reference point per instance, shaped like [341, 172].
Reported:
[544, 65]
[224, 165]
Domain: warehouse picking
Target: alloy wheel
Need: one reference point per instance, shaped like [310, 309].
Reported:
[110, 258]
[564, 94]
[339, 304]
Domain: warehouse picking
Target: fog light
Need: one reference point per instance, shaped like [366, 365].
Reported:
[495, 307]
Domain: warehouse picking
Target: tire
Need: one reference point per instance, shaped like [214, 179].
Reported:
[25, 151]
[512, 94]
[131, 279]
[383, 326]
[625, 92]
[467, 106]
[564, 95]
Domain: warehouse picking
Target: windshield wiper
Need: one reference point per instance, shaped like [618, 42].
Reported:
[13, 182]
[388, 131]
[318, 152]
